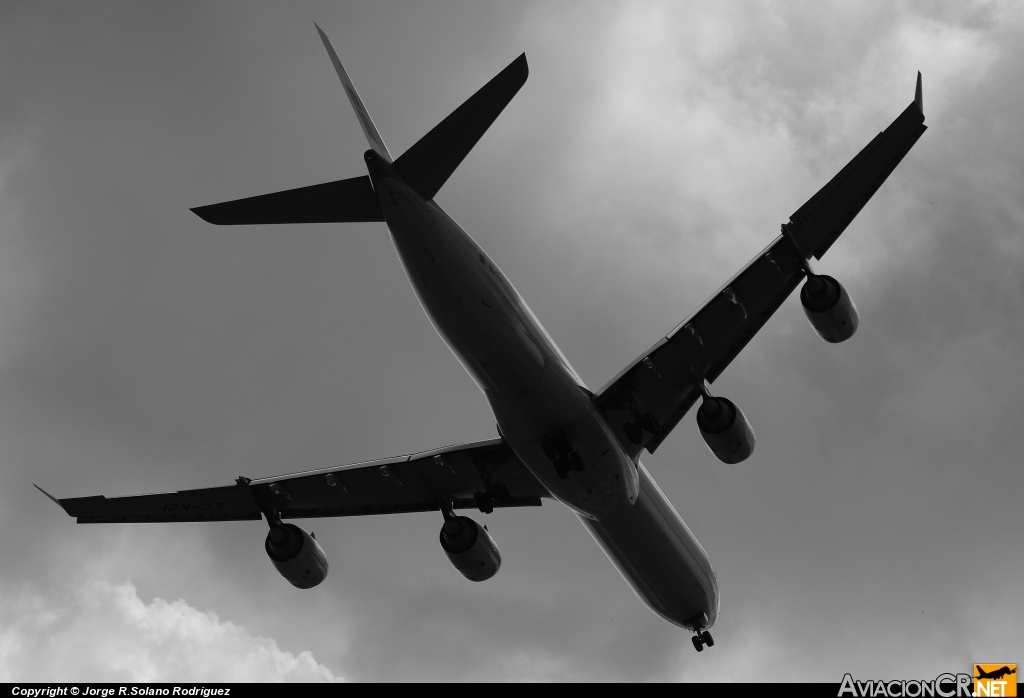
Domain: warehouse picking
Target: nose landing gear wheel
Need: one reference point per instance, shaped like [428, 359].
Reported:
[702, 639]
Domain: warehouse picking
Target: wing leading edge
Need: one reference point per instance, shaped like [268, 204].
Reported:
[644, 402]
[484, 475]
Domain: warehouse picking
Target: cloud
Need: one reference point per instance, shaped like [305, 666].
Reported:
[707, 130]
[105, 632]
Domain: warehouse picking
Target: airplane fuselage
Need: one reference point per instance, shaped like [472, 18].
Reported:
[543, 410]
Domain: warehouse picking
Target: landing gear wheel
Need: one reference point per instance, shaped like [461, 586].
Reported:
[707, 639]
[697, 644]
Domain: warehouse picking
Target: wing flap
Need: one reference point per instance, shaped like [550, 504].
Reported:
[343, 201]
[484, 473]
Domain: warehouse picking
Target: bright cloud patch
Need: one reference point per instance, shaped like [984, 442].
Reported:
[710, 126]
[105, 632]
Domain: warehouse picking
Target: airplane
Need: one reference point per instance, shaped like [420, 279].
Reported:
[995, 674]
[557, 439]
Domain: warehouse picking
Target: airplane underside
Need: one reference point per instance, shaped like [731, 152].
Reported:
[542, 410]
[558, 439]
[544, 413]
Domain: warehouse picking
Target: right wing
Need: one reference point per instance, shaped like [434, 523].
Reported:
[650, 396]
[482, 475]
[820, 221]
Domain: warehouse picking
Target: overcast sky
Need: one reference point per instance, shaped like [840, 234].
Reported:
[655, 149]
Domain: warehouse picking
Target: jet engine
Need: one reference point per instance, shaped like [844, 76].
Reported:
[296, 555]
[470, 548]
[829, 309]
[725, 430]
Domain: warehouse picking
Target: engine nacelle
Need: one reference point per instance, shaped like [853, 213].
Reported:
[296, 555]
[829, 308]
[470, 548]
[725, 430]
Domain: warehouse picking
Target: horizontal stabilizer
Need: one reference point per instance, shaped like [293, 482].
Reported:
[344, 201]
[819, 222]
[428, 164]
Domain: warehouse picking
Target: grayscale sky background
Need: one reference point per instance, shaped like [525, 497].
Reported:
[655, 149]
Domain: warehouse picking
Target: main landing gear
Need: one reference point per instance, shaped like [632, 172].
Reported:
[702, 638]
[558, 450]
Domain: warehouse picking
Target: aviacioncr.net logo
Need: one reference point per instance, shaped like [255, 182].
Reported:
[995, 680]
[942, 686]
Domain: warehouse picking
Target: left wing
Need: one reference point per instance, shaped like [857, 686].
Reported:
[648, 398]
[482, 475]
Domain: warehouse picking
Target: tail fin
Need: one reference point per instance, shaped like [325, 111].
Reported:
[369, 130]
[425, 166]
[428, 164]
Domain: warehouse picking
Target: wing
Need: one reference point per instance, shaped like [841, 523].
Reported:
[648, 398]
[483, 475]
[820, 221]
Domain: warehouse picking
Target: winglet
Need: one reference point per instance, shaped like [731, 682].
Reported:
[917, 94]
[55, 500]
[369, 130]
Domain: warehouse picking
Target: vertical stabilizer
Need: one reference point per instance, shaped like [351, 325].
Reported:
[370, 131]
